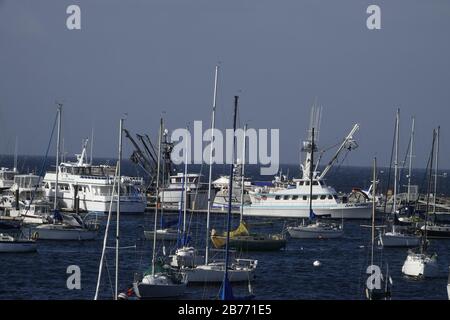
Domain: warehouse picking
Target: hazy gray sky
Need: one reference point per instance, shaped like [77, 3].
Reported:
[145, 57]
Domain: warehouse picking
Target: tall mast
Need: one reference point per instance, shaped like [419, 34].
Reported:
[436, 171]
[311, 172]
[397, 122]
[55, 202]
[119, 178]
[226, 290]
[157, 195]
[411, 146]
[213, 123]
[185, 186]
[424, 238]
[243, 173]
[373, 207]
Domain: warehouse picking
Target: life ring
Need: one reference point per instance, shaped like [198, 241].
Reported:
[35, 235]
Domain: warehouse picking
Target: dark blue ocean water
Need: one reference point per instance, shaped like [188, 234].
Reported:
[287, 274]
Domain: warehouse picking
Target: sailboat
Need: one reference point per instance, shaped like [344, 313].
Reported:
[374, 285]
[161, 283]
[396, 237]
[315, 229]
[226, 291]
[434, 229]
[59, 229]
[185, 255]
[212, 271]
[421, 264]
[241, 238]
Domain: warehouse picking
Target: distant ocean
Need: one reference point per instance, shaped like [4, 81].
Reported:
[288, 274]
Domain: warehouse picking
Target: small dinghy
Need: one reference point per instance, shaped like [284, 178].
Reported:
[10, 244]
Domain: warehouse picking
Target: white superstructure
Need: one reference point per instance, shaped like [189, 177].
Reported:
[7, 178]
[292, 201]
[92, 186]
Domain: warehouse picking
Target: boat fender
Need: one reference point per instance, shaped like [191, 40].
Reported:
[35, 235]
[317, 263]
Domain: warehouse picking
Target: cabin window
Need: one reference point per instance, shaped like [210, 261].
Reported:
[302, 183]
[335, 196]
[330, 197]
[306, 183]
[314, 197]
[305, 198]
[294, 197]
[286, 198]
[277, 197]
[315, 183]
[323, 197]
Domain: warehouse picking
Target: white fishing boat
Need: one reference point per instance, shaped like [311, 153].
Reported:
[10, 244]
[436, 231]
[293, 202]
[87, 187]
[314, 229]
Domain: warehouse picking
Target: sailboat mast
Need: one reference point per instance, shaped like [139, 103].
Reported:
[436, 170]
[424, 238]
[230, 193]
[411, 146]
[243, 173]
[119, 178]
[55, 202]
[157, 195]
[185, 184]
[213, 123]
[374, 178]
[311, 171]
[397, 123]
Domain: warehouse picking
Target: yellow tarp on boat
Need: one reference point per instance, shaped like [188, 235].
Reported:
[220, 240]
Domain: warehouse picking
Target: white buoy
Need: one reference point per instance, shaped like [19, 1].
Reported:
[317, 263]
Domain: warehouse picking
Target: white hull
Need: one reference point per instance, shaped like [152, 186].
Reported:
[151, 291]
[390, 239]
[17, 246]
[314, 233]
[213, 273]
[420, 266]
[345, 211]
[101, 204]
[47, 232]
